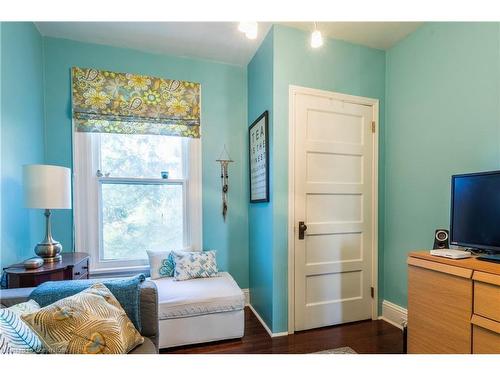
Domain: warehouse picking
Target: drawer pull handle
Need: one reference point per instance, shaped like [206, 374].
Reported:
[77, 273]
[85, 267]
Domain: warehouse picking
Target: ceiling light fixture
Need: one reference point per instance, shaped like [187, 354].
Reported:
[249, 28]
[316, 38]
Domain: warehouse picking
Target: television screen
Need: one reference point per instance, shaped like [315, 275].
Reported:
[475, 210]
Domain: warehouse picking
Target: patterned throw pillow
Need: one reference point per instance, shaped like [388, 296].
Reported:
[161, 264]
[16, 337]
[194, 264]
[90, 322]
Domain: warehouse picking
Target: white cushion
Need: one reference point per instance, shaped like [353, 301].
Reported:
[198, 296]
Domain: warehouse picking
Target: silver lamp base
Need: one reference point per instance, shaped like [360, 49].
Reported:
[49, 252]
[49, 249]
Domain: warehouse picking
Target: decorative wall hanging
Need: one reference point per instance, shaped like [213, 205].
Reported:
[259, 159]
[224, 160]
[109, 102]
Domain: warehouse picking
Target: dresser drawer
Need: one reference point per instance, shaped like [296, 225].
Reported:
[439, 318]
[487, 295]
[485, 336]
[81, 270]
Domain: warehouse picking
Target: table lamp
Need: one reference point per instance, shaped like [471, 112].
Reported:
[47, 187]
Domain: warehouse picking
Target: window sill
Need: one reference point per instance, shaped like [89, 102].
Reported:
[118, 272]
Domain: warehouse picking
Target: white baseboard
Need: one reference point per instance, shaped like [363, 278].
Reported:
[246, 292]
[394, 314]
[277, 334]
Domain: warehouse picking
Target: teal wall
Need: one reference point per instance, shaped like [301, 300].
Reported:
[1, 184]
[224, 115]
[439, 92]
[22, 137]
[337, 66]
[260, 215]
[442, 118]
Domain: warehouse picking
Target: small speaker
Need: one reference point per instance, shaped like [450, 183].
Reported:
[441, 239]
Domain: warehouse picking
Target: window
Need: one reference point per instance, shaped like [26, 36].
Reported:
[124, 207]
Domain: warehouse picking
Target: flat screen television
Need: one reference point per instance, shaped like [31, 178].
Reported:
[475, 212]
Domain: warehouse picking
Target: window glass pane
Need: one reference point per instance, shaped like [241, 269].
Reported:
[146, 156]
[136, 218]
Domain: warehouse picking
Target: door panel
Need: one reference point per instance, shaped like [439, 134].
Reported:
[333, 164]
[333, 207]
[334, 168]
[327, 126]
[337, 247]
[333, 287]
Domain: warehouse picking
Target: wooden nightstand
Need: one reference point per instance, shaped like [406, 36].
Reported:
[73, 266]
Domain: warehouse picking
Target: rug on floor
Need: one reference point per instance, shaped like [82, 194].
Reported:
[342, 350]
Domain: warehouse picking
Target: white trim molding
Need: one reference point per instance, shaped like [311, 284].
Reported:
[394, 314]
[246, 292]
[293, 90]
[268, 330]
[87, 188]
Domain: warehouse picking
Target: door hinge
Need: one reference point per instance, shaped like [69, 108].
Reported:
[373, 126]
[372, 291]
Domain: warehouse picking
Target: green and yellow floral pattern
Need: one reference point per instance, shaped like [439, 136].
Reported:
[109, 102]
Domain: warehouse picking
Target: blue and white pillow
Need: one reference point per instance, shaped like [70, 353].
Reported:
[194, 264]
[16, 337]
[161, 264]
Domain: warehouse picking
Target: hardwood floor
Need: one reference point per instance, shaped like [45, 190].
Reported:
[364, 337]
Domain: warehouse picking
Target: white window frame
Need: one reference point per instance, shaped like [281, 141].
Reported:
[87, 200]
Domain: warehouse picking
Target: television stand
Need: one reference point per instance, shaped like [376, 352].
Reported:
[489, 258]
[453, 305]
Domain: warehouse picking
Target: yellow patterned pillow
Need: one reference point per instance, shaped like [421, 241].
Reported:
[90, 322]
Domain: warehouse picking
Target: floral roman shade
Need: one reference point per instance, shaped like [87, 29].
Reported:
[109, 102]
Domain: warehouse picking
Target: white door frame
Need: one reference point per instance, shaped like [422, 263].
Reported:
[374, 103]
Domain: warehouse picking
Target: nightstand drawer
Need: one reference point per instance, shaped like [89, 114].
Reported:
[81, 270]
[72, 266]
[487, 295]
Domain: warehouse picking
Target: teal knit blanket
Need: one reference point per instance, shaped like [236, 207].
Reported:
[126, 291]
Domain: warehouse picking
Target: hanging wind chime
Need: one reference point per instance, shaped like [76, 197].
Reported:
[224, 160]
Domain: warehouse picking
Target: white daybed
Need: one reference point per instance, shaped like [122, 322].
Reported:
[199, 310]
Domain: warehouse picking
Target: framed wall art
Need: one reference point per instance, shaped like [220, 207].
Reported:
[258, 152]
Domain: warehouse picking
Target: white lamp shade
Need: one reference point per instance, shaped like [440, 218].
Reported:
[46, 186]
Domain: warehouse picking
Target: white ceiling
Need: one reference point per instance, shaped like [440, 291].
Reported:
[216, 41]
[380, 35]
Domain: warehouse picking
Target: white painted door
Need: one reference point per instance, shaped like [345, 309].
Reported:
[334, 185]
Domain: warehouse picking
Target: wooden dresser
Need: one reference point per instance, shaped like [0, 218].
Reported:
[73, 266]
[453, 305]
